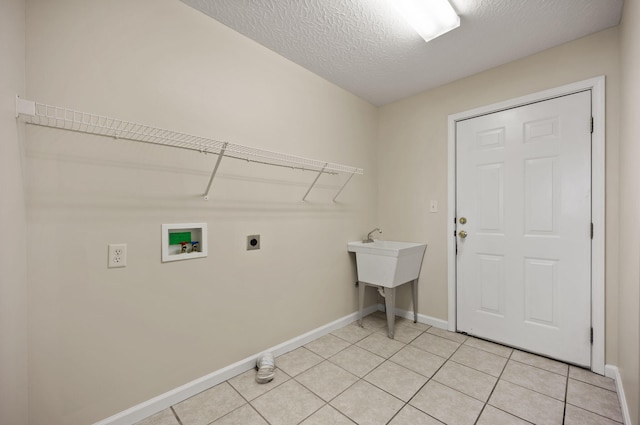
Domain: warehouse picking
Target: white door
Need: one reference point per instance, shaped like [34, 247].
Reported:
[523, 189]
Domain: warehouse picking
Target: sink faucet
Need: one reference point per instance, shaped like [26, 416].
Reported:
[369, 240]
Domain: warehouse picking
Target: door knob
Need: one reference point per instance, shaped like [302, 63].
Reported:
[462, 234]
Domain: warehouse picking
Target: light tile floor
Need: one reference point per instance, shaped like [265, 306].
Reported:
[426, 376]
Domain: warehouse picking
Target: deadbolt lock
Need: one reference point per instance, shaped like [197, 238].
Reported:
[463, 220]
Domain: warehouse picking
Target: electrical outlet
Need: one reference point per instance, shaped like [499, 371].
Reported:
[117, 255]
[253, 242]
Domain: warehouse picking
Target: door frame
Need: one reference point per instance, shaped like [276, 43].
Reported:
[597, 87]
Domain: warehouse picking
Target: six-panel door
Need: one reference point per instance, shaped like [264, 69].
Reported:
[523, 184]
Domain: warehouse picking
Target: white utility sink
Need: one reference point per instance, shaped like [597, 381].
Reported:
[387, 265]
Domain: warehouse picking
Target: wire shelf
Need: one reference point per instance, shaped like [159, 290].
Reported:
[69, 119]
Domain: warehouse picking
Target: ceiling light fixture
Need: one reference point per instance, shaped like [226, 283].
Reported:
[431, 18]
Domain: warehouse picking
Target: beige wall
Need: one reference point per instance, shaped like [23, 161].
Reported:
[103, 340]
[412, 155]
[13, 257]
[629, 212]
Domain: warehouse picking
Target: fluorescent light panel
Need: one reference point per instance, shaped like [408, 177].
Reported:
[430, 18]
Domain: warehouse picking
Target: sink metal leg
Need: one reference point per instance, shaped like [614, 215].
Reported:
[361, 286]
[390, 303]
[414, 293]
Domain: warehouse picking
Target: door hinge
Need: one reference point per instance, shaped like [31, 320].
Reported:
[591, 337]
[591, 230]
[591, 125]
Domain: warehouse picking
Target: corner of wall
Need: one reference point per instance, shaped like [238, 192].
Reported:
[13, 268]
[628, 212]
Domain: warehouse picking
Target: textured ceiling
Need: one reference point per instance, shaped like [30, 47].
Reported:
[365, 47]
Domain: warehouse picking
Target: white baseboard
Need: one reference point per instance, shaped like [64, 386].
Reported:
[611, 371]
[168, 399]
[427, 320]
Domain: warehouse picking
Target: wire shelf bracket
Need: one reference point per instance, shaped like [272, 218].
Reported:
[68, 119]
[304, 198]
[215, 170]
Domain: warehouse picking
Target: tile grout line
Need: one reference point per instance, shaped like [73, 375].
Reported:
[337, 395]
[499, 378]
[175, 414]
[446, 360]
[536, 391]
[429, 379]
[529, 389]
[405, 344]
[363, 377]
[327, 359]
[248, 402]
[385, 361]
[593, 385]
[494, 388]
[596, 387]
[566, 395]
[406, 403]
[510, 358]
[537, 367]
[450, 359]
[595, 413]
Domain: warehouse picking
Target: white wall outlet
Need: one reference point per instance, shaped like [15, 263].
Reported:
[117, 255]
[433, 207]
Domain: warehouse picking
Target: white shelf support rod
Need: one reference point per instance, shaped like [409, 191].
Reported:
[314, 181]
[25, 107]
[343, 186]
[215, 170]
